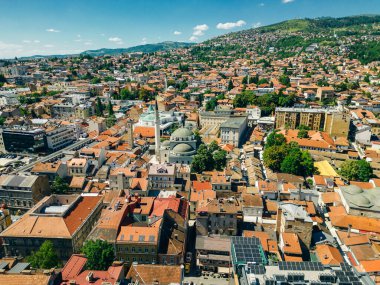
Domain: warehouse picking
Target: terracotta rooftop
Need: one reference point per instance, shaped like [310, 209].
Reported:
[328, 255]
[147, 274]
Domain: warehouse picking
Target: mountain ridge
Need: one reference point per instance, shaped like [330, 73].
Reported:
[146, 48]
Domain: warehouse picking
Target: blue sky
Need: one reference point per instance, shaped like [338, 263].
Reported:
[30, 27]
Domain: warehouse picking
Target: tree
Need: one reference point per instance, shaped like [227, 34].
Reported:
[220, 159]
[59, 186]
[285, 80]
[230, 85]
[99, 107]
[275, 139]
[292, 162]
[203, 160]
[213, 146]
[245, 80]
[273, 156]
[210, 105]
[303, 132]
[110, 121]
[356, 170]
[110, 108]
[95, 80]
[45, 257]
[198, 138]
[100, 254]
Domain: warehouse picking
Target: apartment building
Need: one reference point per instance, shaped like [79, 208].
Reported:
[332, 121]
[138, 244]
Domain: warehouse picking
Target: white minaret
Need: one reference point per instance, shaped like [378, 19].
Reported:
[157, 134]
[166, 84]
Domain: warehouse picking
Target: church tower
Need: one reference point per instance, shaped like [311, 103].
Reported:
[157, 134]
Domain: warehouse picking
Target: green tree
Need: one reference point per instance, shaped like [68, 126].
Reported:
[2, 120]
[303, 132]
[210, 105]
[220, 159]
[110, 108]
[203, 160]
[275, 139]
[213, 146]
[273, 156]
[95, 80]
[100, 254]
[285, 80]
[356, 170]
[59, 186]
[99, 107]
[230, 85]
[110, 121]
[292, 162]
[45, 257]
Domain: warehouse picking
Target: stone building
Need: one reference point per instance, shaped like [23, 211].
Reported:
[292, 218]
[138, 244]
[218, 216]
[21, 193]
[65, 220]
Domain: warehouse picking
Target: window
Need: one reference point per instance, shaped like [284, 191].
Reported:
[132, 249]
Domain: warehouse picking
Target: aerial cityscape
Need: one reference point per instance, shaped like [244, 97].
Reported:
[190, 142]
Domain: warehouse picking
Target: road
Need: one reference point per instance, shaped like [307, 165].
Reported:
[54, 156]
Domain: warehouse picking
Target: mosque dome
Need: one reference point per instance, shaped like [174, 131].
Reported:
[182, 133]
[182, 148]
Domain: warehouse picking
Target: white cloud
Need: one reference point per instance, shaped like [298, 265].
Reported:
[193, 38]
[287, 1]
[230, 25]
[49, 46]
[261, 4]
[199, 30]
[256, 25]
[30, 41]
[143, 41]
[52, 30]
[88, 43]
[116, 40]
[78, 36]
[177, 33]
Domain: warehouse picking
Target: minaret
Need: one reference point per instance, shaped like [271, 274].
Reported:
[130, 132]
[157, 134]
[166, 84]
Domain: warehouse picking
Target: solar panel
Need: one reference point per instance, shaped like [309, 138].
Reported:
[296, 277]
[279, 277]
[301, 266]
[257, 269]
[330, 278]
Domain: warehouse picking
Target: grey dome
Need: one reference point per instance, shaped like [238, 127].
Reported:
[182, 133]
[353, 189]
[182, 148]
[361, 201]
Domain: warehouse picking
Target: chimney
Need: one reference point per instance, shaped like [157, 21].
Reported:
[349, 230]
